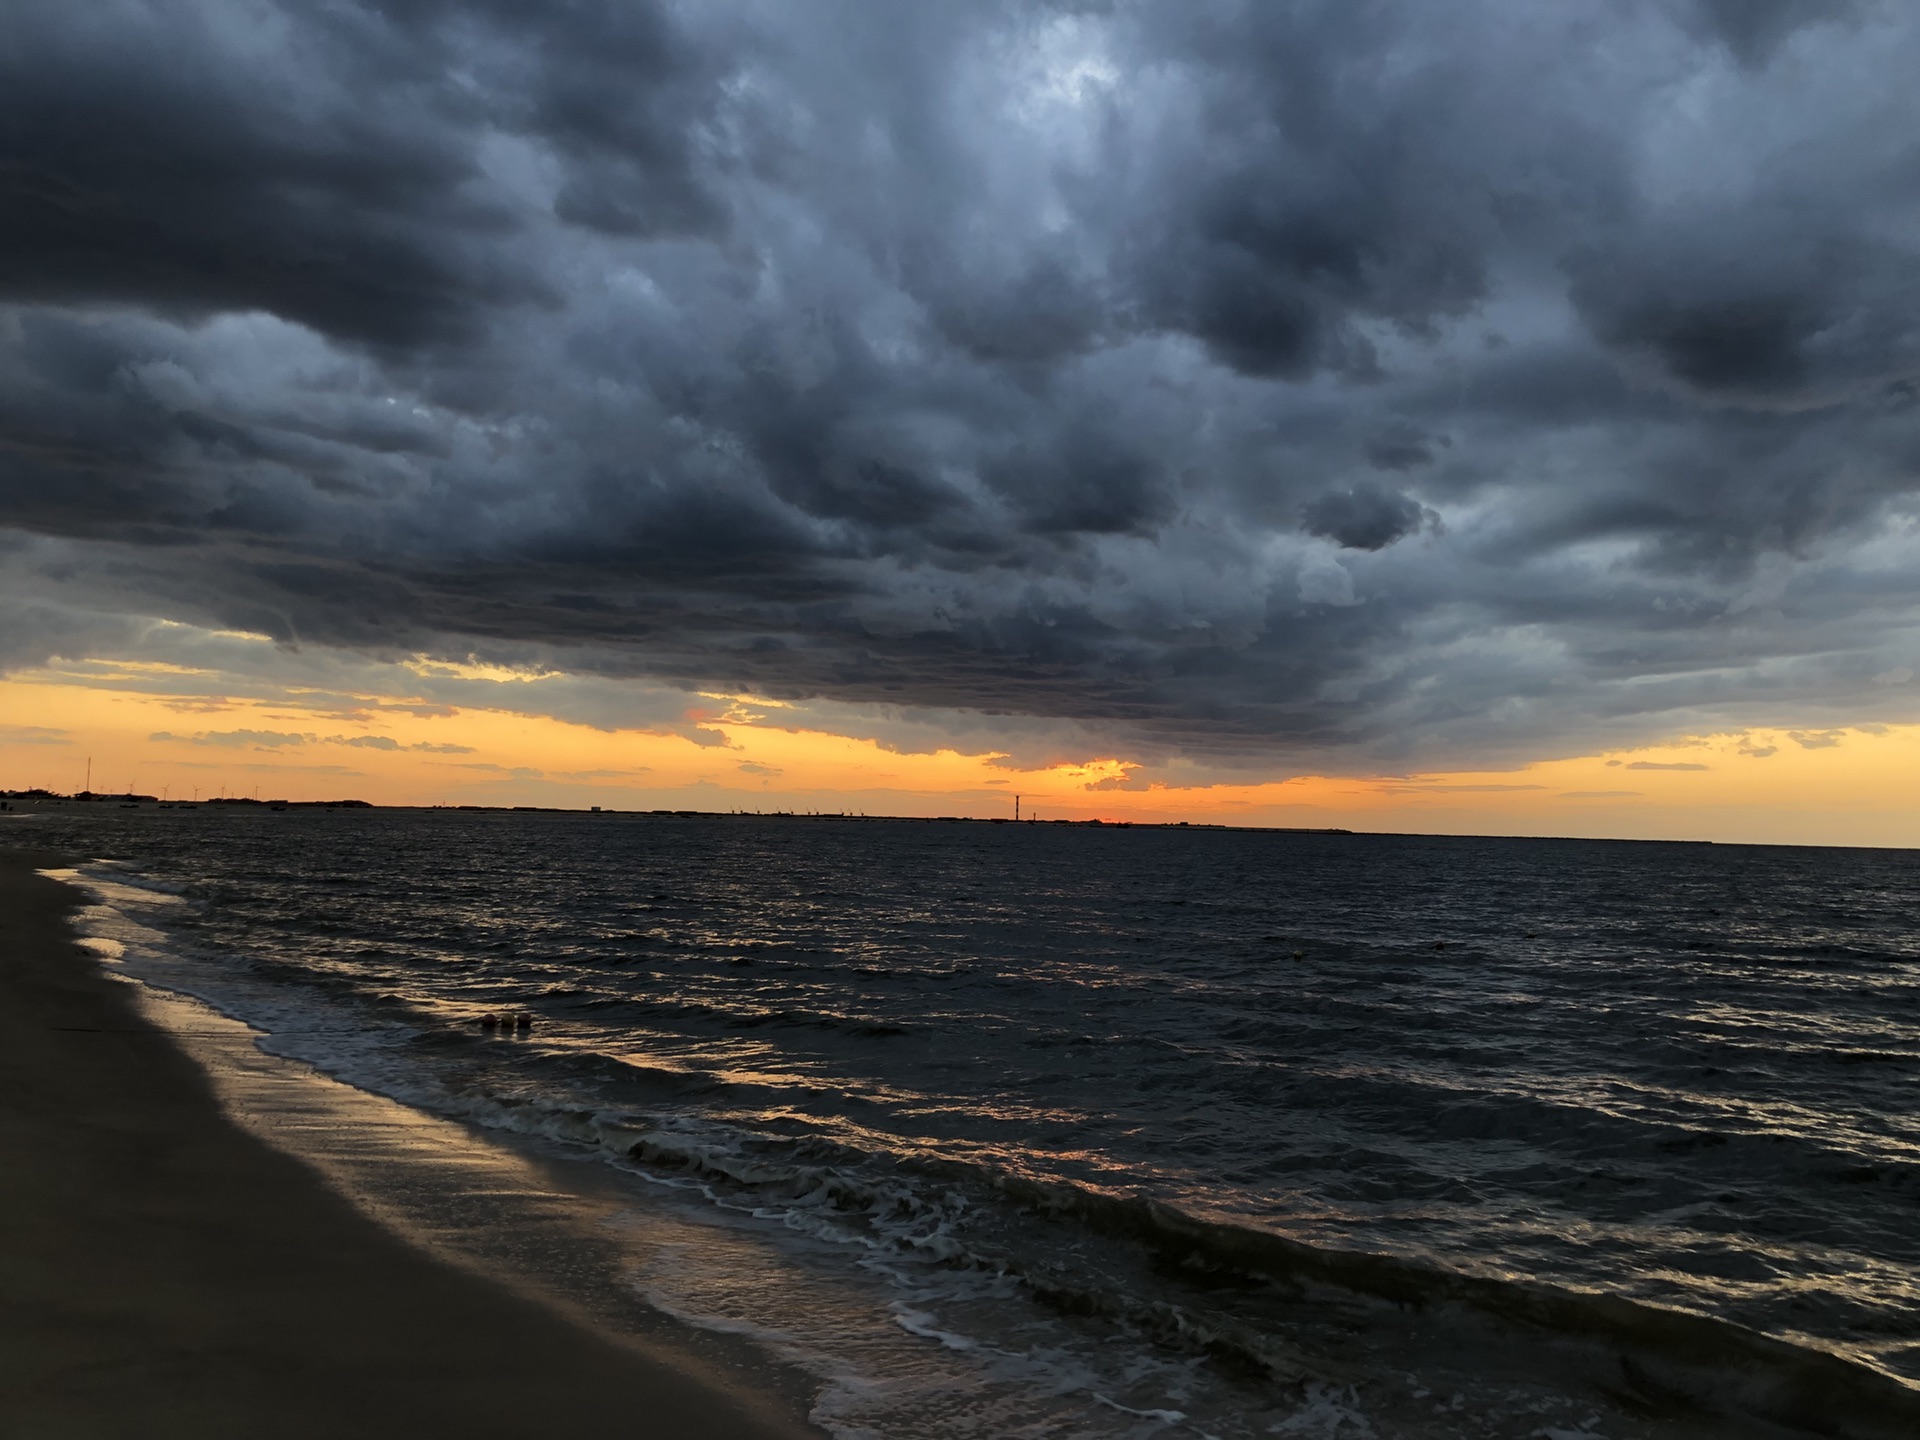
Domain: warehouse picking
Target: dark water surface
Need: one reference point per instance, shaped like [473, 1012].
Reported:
[1056, 1100]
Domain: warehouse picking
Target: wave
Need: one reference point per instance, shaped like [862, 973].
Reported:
[1655, 1360]
[1656, 1357]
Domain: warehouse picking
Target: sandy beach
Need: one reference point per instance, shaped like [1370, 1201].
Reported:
[164, 1273]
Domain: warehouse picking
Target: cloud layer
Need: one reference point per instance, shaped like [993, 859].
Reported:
[1263, 384]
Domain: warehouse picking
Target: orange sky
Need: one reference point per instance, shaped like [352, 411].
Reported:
[167, 728]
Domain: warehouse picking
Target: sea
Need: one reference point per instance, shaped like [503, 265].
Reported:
[1048, 1130]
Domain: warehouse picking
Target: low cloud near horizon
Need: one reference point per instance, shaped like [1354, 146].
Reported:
[1249, 385]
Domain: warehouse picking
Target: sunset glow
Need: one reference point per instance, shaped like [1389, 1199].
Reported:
[180, 732]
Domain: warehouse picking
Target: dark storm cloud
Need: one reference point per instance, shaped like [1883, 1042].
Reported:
[1754, 29]
[329, 164]
[154, 155]
[1362, 518]
[1803, 313]
[1246, 381]
[1316, 191]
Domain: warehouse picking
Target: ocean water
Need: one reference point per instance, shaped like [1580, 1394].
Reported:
[1048, 1131]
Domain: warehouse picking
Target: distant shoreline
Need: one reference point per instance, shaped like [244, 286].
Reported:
[16, 799]
[132, 800]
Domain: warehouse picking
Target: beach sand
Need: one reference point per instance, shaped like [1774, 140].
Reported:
[164, 1273]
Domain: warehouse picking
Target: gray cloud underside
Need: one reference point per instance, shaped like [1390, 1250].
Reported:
[1386, 380]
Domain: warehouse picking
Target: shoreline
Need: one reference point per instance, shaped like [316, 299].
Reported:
[167, 1273]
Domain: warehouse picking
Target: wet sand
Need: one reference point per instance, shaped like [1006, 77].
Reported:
[163, 1273]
